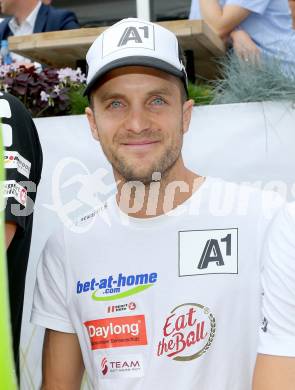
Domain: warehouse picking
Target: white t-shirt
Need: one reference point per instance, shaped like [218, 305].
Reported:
[166, 302]
[277, 333]
[269, 25]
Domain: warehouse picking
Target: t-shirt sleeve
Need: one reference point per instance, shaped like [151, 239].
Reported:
[50, 308]
[22, 160]
[257, 6]
[278, 281]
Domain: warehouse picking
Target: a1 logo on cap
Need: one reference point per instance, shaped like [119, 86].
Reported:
[128, 34]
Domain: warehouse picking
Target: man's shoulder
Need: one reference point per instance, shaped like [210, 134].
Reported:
[57, 15]
[13, 112]
[14, 102]
[55, 19]
[243, 198]
[57, 11]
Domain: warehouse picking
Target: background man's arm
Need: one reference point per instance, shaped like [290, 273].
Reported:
[62, 365]
[222, 20]
[274, 372]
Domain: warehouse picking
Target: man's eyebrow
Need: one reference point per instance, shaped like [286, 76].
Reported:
[110, 95]
[155, 92]
[161, 91]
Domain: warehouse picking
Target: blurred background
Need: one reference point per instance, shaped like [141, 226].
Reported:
[93, 13]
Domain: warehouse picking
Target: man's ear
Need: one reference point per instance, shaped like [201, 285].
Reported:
[187, 114]
[91, 120]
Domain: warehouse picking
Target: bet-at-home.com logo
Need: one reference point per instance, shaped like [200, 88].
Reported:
[121, 286]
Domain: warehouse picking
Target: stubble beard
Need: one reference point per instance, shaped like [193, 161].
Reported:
[163, 165]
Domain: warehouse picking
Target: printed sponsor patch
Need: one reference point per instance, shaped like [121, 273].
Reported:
[113, 287]
[203, 252]
[188, 332]
[117, 332]
[128, 35]
[121, 366]
[15, 160]
[122, 307]
[11, 189]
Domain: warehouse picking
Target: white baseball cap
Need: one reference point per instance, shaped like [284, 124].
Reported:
[134, 42]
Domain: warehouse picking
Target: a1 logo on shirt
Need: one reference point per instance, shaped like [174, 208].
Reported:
[203, 252]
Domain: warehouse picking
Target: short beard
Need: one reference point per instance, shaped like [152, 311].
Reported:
[164, 166]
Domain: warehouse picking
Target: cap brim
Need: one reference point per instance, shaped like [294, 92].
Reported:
[150, 62]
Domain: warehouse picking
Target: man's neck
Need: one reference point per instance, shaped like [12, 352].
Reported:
[24, 10]
[158, 197]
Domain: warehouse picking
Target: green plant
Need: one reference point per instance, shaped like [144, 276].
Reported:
[201, 94]
[45, 92]
[253, 81]
[78, 101]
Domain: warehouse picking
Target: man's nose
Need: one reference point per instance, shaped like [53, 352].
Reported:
[137, 120]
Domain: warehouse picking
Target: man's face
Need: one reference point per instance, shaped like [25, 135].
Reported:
[8, 7]
[139, 118]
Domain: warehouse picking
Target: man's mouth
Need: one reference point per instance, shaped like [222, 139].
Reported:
[140, 144]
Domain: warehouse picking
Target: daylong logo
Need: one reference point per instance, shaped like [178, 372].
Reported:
[188, 332]
[121, 286]
[117, 332]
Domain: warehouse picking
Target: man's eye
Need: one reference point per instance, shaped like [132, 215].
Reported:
[158, 101]
[116, 104]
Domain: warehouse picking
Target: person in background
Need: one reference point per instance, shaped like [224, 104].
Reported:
[23, 166]
[31, 16]
[275, 365]
[255, 27]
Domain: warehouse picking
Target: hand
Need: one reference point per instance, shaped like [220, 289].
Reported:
[244, 46]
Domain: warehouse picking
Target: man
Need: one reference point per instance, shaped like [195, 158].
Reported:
[254, 26]
[31, 16]
[160, 296]
[275, 366]
[23, 165]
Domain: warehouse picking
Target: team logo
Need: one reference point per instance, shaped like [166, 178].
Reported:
[112, 288]
[104, 366]
[188, 332]
[121, 366]
[117, 332]
[203, 252]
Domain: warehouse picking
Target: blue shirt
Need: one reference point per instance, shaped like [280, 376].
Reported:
[269, 25]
